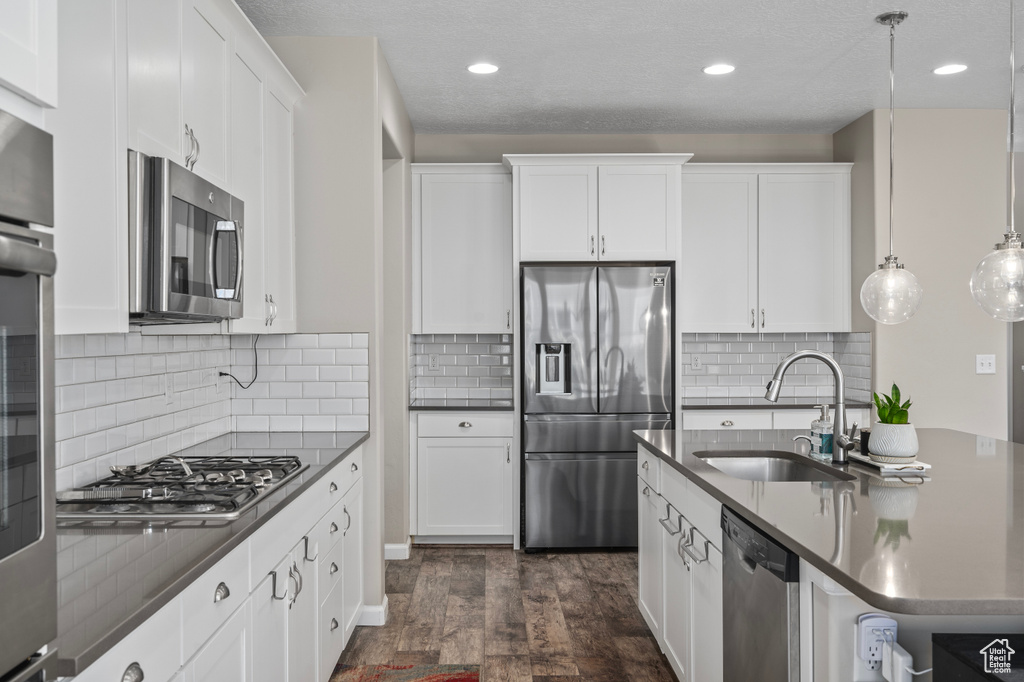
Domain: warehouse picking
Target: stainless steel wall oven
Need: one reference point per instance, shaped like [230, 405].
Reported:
[28, 549]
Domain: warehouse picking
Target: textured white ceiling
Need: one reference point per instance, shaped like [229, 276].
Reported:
[614, 66]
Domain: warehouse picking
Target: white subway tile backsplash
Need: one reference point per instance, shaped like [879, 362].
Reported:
[465, 361]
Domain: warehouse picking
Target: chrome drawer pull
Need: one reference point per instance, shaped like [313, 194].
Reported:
[752, 318]
[273, 587]
[334, 624]
[647, 491]
[349, 524]
[727, 422]
[465, 425]
[305, 549]
[133, 673]
[645, 465]
[355, 467]
[334, 527]
[333, 487]
[334, 568]
[221, 593]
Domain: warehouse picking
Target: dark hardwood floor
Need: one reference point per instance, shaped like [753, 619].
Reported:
[551, 617]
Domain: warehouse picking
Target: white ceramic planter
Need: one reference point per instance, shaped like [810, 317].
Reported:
[893, 440]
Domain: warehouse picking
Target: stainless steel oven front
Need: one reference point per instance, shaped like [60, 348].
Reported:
[28, 548]
[185, 241]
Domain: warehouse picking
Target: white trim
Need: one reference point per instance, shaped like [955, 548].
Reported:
[397, 551]
[512, 160]
[463, 539]
[841, 168]
[460, 168]
[374, 616]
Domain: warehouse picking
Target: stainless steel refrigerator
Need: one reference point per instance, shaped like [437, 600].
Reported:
[597, 363]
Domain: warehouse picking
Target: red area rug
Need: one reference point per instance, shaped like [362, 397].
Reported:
[406, 673]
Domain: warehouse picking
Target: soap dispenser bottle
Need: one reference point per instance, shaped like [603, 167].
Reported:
[821, 436]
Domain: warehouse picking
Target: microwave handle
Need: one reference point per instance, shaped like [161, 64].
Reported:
[238, 256]
[24, 257]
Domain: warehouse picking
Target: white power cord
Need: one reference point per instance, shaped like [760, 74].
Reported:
[897, 663]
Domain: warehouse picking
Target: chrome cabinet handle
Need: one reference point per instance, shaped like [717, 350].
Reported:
[191, 146]
[355, 467]
[647, 491]
[334, 568]
[762, 318]
[753, 315]
[334, 527]
[602, 244]
[133, 673]
[727, 422]
[221, 593]
[273, 305]
[685, 546]
[683, 553]
[295, 579]
[333, 487]
[195, 158]
[347, 525]
[591, 245]
[645, 465]
[508, 319]
[273, 587]
[305, 549]
[300, 580]
[508, 453]
[667, 526]
[465, 425]
[334, 624]
[266, 318]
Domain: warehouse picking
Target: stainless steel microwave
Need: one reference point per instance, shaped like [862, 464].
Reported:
[185, 242]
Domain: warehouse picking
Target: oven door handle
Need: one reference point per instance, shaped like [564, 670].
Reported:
[25, 257]
[235, 293]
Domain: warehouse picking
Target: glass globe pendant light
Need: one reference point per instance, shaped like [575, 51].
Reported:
[891, 294]
[998, 282]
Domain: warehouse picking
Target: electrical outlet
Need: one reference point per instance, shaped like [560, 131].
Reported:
[168, 390]
[434, 363]
[985, 364]
[697, 365]
[985, 447]
[873, 629]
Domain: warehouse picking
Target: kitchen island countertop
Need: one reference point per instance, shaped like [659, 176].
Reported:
[952, 545]
[112, 576]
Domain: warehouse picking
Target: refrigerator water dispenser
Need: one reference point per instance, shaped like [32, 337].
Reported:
[553, 369]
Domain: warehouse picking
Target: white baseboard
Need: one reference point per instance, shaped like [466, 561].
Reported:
[464, 539]
[374, 615]
[397, 550]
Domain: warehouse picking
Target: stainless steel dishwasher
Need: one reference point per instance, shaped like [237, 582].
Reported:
[760, 605]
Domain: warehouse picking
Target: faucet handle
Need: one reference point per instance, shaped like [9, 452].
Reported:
[853, 430]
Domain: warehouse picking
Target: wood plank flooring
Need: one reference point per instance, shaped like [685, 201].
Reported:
[554, 617]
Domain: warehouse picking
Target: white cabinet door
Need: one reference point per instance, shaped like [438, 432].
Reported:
[154, 648]
[246, 139]
[205, 65]
[279, 211]
[463, 486]
[155, 123]
[638, 212]
[706, 594]
[465, 223]
[227, 656]
[557, 213]
[678, 600]
[303, 614]
[91, 170]
[269, 604]
[28, 49]
[352, 558]
[649, 553]
[718, 267]
[804, 252]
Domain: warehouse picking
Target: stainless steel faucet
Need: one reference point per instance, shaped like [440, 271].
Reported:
[841, 440]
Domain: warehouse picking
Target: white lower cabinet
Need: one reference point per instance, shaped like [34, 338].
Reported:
[302, 615]
[352, 558]
[680, 571]
[269, 608]
[226, 657]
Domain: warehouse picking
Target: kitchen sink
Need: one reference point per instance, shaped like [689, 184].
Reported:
[771, 465]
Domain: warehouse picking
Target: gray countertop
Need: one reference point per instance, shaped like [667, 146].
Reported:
[112, 576]
[427, 404]
[761, 403]
[953, 545]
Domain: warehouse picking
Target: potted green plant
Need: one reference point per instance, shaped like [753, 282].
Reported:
[893, 437]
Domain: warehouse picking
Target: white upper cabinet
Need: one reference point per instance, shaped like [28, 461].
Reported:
[205, 64]
[462, 227]
[28, 49]
[765, 248]
[279, 206]
[596, 207]
[155, 122]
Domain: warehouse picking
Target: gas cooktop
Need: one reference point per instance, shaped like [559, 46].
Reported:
[216, 487]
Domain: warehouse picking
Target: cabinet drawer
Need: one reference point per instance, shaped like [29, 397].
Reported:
[329, 530]
[329, 571]
[473, 424]
[206, 605]
[350, 470]
[795, 419]
[704, 512]
[673, 488]
[648, 468]
[714, 420]
[154, 646]
[332, 630]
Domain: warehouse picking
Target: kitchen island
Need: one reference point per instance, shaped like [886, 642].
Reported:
[944, 554]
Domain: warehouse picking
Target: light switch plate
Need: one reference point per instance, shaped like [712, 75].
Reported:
[985, 364]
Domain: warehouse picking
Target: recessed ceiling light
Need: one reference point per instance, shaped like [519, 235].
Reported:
[719, 69]
[482, 68]
[950, 68]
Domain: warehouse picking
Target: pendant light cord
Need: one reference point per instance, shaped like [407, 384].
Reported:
[1013, 107]
[892, 121]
